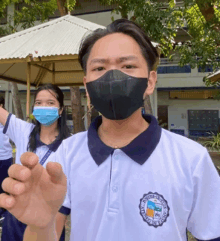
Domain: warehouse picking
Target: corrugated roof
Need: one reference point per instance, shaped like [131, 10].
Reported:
[61, 36]
[215, 76]
[51, 50]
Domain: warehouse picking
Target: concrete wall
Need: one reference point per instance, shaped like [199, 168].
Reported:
[177, 109]
[192, 79]
[102, 18]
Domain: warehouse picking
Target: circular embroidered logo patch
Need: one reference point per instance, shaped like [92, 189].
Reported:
[154, 209]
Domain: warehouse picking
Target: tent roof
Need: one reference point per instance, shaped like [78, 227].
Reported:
[215, 76]
[61, 36]
[51, 51]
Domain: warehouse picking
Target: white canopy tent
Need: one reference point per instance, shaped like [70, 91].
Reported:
[47, 53]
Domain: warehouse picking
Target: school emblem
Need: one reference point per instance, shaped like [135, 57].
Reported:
[154, 209]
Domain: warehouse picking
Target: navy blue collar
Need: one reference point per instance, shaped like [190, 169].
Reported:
[139, 149]
[53, 146]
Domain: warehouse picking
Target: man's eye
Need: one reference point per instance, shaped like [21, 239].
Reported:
[128, 66]
[99, 69]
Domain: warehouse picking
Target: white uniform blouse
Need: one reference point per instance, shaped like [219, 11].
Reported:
[5, 146]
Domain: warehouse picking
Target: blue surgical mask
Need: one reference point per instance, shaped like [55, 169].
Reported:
[46, 115]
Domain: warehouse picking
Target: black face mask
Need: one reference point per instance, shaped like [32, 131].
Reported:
[117, 95]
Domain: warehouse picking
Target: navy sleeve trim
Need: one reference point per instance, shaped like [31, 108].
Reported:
[216, 239]
[7, 123]
[66, 211]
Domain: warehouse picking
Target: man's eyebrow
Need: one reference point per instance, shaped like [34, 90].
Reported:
[102, 61]
[120, 60]
[126, 58]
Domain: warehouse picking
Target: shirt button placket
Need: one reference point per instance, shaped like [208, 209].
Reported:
[114, 185]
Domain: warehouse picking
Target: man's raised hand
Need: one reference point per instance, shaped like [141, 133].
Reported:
[35, 193]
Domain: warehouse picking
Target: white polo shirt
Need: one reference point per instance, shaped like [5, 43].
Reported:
[153, 189]
[19, 131]
[5, 146]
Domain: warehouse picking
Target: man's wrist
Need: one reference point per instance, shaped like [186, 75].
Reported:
[47, 233]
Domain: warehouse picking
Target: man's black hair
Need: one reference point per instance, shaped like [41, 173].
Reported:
[119, 26]
[64, 131]
[2, 101]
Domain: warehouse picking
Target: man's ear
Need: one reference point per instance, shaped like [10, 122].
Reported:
[152, 80]
[84, 82]
[87, 94]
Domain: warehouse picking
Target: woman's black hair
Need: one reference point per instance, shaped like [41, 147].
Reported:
[64, 131]
[119, 26]
[2, 101]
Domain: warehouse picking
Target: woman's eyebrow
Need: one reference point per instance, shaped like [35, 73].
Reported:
[46, 100]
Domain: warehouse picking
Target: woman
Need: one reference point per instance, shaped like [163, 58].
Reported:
[5, 157]
[43, 137]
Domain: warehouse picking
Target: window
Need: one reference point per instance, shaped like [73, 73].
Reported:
[173, 69]
[207, 69]
[193, 94]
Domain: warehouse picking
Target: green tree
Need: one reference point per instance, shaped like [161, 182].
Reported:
[25, 17]
[163, 20]
[31, 11]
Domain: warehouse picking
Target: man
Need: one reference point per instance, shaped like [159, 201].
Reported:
[127, 179]
[5, 157]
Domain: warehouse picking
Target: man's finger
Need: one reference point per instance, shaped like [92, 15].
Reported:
[6, 201]
[29, 159]
[13, 187]
[55, 171]
[18, 172]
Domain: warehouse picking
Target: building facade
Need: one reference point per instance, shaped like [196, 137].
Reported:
[181, 101]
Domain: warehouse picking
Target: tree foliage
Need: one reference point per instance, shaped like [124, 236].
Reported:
[32, 11]
[163, 20]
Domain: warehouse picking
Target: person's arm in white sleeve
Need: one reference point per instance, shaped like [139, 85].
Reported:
[204, 219]
[16, 128]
